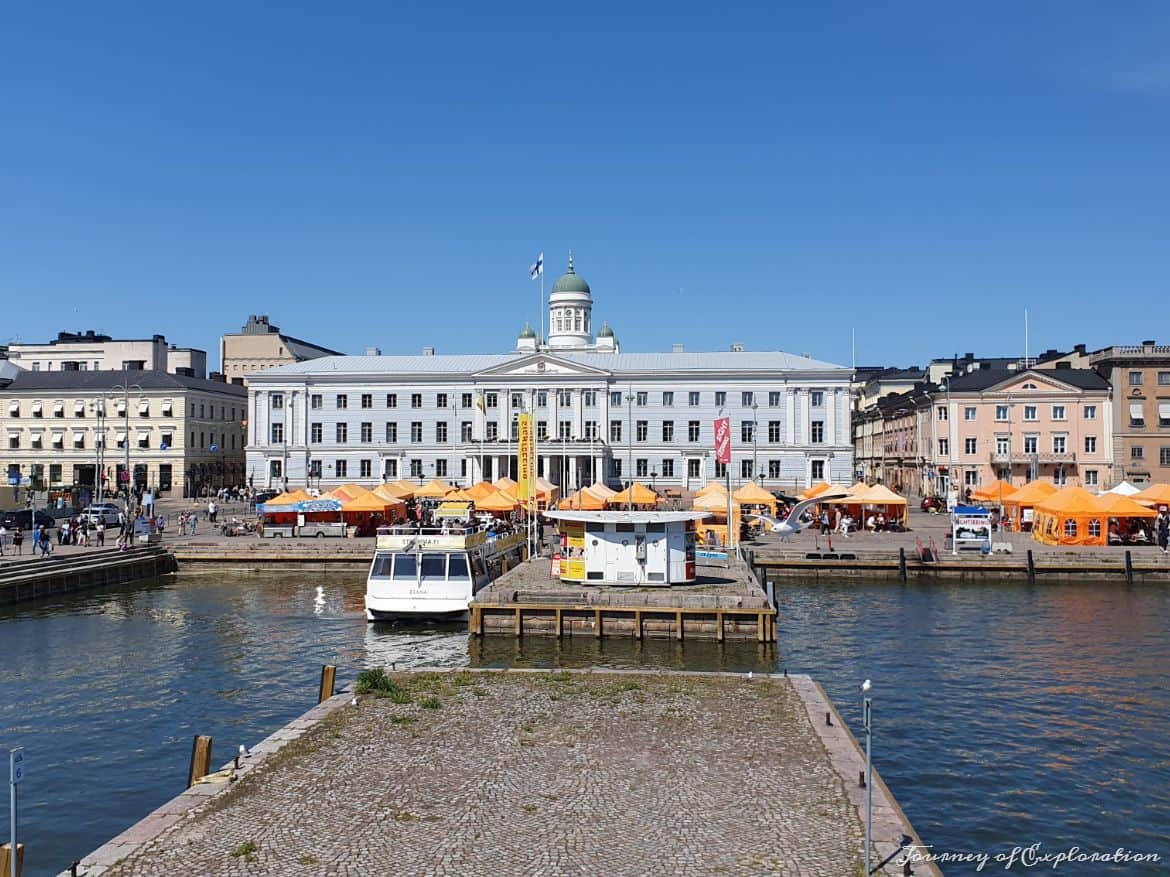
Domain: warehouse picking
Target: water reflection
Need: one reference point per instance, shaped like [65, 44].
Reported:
[1003, 715]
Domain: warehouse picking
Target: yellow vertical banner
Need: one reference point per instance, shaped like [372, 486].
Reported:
[527, 460]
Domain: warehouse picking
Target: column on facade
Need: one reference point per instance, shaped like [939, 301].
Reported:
[831, 419]
[790, 408]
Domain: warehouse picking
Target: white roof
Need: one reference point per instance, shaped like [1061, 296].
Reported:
[630, 517]
[763, 360]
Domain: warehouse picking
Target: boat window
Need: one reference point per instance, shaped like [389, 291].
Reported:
[625, 528]
[656, 528]
[434, 567]
[458, 568]
[382, 565]
[405, 567]
[595, 526]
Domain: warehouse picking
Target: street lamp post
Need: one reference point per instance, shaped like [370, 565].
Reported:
[630, 446]
[99, 409]
[124, 388]
[653, 477]
[755, 436]
[865, 713]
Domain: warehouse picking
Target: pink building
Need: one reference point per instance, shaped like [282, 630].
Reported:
[1052, 424]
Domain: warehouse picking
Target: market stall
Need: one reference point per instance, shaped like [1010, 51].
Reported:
[1070, 516]
[755, 498]
[713, 530]
[1127, 522]
[1155, 495]
[637, 496]
[498, 503]
[368, 511]
[434, 489]
[584, 498]
[1018, 508]
[994, 492]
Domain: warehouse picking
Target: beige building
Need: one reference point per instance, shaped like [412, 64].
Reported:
[70, 431]
[261, 345]
[90, 351]
[1140, 376]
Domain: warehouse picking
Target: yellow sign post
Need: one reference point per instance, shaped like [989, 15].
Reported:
[526, 463]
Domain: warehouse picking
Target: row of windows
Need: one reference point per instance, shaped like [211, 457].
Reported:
[142, 439]
[1136, 379]
[1137, 452]
[82, 408]
[563, 398]
[643, 468]
[1031, 445]
[564, 431]
[1031, 412]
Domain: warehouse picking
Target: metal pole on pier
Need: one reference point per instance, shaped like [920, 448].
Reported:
[865, 707]
[15, 775]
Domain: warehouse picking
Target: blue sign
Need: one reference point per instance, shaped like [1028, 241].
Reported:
[165, 447]
[214, 448]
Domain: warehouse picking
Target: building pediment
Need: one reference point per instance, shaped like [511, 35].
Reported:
[542, 364]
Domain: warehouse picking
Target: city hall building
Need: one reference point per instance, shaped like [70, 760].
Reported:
[600, 414]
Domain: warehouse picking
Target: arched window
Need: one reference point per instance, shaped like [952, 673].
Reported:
[577, 324]
[1094, 527]
[1070, 527]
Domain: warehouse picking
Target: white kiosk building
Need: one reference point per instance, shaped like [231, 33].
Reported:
[627, 548]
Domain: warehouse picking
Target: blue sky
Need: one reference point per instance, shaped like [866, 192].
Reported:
[777, 175]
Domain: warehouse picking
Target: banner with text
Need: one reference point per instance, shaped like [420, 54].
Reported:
[723, 440]
[526, 465]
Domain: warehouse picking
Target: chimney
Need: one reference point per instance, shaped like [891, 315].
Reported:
[1080, 348]
[737, 347]
[677, 348]
[428, 351]
[985, 366]
[373, 351]
[214, 376]
[239, 382]
[1147, 347]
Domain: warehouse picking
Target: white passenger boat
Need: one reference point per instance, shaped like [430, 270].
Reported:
[434, 573]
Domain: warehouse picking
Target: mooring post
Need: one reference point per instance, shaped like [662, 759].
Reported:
[902, 562]
[1031, 568]
[1128, 567]
[200, 759]
[7, 865]
[328, 677]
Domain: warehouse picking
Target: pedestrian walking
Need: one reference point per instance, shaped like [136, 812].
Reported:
[211, 510]
[101, 533]
[3, 538]
[1163, 529]
[18, 542]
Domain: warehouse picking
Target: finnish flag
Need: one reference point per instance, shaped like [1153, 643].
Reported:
[537, 267]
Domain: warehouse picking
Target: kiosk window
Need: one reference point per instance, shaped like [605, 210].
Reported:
[434, 567]
[405, 567]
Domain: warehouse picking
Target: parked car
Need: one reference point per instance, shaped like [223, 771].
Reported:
[105, 512]
[934, 504]
[25, 519]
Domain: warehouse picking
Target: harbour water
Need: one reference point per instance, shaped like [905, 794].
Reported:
[1004, 716]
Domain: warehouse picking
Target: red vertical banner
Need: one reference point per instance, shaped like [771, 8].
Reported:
[723, 440]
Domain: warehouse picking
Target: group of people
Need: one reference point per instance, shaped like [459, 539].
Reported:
[843, 523]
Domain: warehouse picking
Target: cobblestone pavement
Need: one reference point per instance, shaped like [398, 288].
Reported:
[526, 774]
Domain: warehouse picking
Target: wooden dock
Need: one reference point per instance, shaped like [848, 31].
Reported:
[724, 604]
[33, 578]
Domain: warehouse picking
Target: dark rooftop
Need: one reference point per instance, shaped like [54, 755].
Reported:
[83, 381]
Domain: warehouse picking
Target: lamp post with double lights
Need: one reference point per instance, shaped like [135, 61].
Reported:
[124, 388]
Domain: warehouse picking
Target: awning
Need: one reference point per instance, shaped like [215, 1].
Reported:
[1136, 412]
[58, 438]
[14, 433]
[121, 406]
[166, 407]
[58, 407]
[1163, 410]
[78, 407]
[120, 436]
[79, 431]
[143, 408]
[143, 431]
[37, 407]
[14, 407]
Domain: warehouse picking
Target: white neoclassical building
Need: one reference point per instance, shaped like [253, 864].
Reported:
[600, 414]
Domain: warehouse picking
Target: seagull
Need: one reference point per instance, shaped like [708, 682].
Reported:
[792, 524]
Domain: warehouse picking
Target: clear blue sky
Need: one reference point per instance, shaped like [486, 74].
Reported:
[382, 174]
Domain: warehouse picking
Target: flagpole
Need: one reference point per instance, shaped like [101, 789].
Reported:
[540, 340]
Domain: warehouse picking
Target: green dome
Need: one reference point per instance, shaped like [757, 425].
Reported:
[605, 332]
[571, 281]
[527, 332]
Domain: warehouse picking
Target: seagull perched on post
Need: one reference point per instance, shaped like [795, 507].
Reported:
[792, 524]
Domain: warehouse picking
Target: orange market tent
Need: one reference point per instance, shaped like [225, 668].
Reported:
[504, 483]
[713, 531]
[391, 492]
[712, 487]
[291, 497]
[1019, 506]
[458, 496]
[404, 486]
[1154, 495]
[480, 489]
[636, 494]
[436, 488]
[883, 499]
[1117, 506]
[350, 491]
[815, 490]
[1071, 516]
[993, 492]
[371, 502]
[497, 502]
[602, 489]
[546, 491]
[584, 498]
[751, 494]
